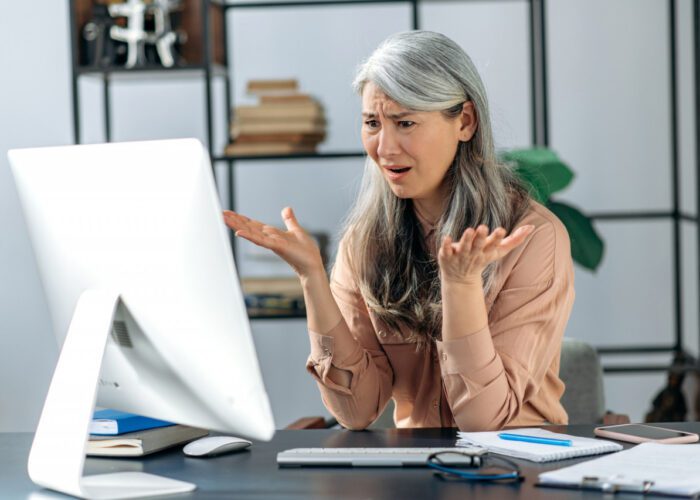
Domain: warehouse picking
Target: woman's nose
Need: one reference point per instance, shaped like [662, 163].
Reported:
[388, 143]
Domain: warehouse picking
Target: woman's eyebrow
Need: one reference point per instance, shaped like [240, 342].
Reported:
[392, 116]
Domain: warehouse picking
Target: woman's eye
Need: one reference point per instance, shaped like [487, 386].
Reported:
[372, 123]
[406, 124]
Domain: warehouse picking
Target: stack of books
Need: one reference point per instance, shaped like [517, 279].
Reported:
[120, 434]
[273, 296]
[285, 121]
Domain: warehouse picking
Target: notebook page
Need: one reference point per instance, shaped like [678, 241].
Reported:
[672, 467]
[535, 452]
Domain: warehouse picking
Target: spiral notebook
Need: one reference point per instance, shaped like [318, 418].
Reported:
[580, 446]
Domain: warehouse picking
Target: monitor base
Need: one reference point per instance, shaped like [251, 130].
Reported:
[57, 457]
[122, 485]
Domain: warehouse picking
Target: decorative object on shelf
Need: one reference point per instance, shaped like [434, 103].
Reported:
[545, 173]
[164, 33]
[135, 34]
[284, 122]
[98, 49]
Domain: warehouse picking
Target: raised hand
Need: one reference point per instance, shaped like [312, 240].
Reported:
[464, 261]
[294, 245]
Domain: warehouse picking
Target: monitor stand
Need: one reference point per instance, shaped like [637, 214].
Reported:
[57, 456]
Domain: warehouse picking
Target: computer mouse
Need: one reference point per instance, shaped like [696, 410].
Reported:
[212, 446]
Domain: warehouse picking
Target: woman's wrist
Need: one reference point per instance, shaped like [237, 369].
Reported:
[469, 281]
[463, 307]
[322, 313]
[313, 276]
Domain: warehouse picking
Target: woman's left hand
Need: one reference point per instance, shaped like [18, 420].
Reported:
[464, 261]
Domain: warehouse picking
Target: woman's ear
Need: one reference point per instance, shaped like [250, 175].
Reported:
[468, 122]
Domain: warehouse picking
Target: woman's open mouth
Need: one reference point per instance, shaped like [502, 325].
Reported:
[396, 173]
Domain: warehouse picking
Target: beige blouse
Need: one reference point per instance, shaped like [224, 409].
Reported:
[506, 374]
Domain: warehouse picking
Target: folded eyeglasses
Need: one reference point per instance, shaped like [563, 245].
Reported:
[479, 468]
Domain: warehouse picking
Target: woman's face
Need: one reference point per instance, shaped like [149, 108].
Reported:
[413, 149]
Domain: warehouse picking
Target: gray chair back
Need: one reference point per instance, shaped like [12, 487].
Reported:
[583, 399]
[386, 419]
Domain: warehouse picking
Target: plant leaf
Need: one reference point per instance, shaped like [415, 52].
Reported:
[586, 245]
[541, 171]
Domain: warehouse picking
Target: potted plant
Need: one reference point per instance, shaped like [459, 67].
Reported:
[544, 173]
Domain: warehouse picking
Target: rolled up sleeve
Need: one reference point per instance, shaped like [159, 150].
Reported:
[353, 373]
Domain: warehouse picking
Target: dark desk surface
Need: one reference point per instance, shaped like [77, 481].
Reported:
[254, 473]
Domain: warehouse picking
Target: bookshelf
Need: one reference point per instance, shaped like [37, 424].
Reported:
[210, 60]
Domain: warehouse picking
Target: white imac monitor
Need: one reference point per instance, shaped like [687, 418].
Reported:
[139, 277]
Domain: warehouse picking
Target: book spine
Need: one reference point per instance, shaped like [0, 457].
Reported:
[278, 113]
[309, 127]
[286, 99]
[272, 86]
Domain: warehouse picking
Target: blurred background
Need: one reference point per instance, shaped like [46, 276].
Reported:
[617, 109]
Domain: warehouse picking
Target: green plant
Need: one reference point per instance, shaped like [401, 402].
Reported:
[544, 173]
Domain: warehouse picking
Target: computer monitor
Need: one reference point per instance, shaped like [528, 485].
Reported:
[138, 273]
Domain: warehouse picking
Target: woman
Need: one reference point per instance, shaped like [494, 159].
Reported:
[451, 289]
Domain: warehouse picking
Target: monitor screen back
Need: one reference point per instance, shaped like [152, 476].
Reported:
[143, 219]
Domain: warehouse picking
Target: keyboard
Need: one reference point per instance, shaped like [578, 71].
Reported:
[376, 457]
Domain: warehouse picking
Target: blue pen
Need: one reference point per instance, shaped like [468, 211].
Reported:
[534, 439]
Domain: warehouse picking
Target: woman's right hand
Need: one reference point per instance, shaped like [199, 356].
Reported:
[294, 245]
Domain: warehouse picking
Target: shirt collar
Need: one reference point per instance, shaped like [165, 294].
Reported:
[427, 226]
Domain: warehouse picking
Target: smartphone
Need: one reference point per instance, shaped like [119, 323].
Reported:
[642, 433]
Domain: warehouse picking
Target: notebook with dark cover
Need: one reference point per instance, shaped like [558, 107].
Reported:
[136, 444]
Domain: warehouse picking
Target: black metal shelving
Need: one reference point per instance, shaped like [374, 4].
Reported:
[150, 71]
[540, 126]
[298, 156]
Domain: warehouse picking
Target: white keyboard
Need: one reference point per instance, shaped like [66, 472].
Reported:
[375, 457]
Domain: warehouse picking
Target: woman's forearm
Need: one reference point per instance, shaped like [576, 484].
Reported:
[322, 312]
[463, 309]
[323, 316]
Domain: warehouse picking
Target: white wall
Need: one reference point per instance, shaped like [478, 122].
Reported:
[609, 118]
[34, 110]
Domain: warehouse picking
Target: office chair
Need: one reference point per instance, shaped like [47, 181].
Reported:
[584, 397]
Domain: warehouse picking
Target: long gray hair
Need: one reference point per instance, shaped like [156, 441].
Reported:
[396, 271]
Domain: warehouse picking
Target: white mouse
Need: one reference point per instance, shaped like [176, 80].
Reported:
[212, 446]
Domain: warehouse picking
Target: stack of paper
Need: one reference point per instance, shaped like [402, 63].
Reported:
[580, 446]
[670, 469]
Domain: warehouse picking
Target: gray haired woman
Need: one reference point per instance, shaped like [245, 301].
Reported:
[451, 289]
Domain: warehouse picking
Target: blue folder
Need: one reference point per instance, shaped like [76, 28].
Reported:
[113, 422]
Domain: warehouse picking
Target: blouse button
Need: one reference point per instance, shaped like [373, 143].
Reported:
[382, 333]
[444, 356]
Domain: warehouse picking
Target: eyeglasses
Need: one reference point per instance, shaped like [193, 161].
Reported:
[488, 468]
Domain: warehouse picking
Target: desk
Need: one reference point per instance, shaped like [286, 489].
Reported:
[255, 474]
